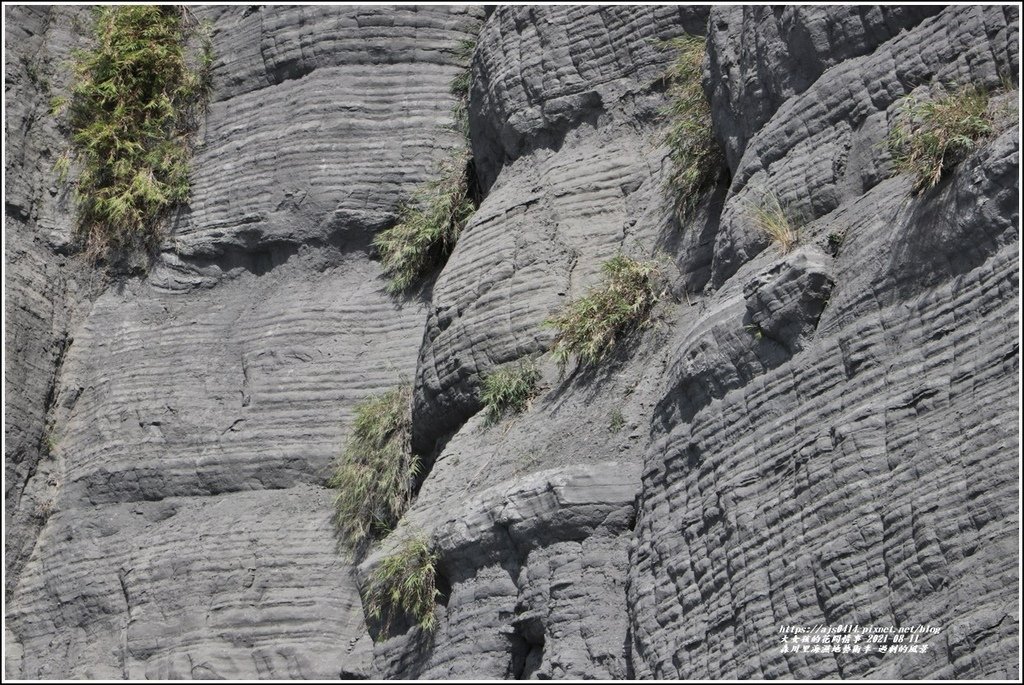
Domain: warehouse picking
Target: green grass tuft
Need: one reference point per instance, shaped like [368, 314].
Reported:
[405, 584]
[510, 389]
[428, 227]
[135, 100]
[771, 219]
[589, 327]
[375, 474]
[834, 241]
[755, 330]
[928, 138]
[693, 152]
[50, 442]
[461, 84]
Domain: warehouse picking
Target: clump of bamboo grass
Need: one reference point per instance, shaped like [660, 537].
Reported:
[461, 84]
[589, 327]
[135, 100]
[510, 389]
[375, 474]
[694, 154]
[405, 583]
[428, 227]
[929, 137]
[771, 219]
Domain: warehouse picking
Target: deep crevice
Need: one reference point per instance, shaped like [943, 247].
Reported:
[18, 561]
[527, 648]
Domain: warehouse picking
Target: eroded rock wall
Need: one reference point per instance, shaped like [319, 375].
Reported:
[842, 467]
[662, 515]
[199, 407]
[42, 285]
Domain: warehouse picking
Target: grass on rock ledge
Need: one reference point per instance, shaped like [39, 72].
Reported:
[375, 474]
[589, 327]
[427, 227]
[693, 152]
[772, 219]
[510, 389]
[929, 137]
[461, 84]
[135, 100]
[430, 224]
[405, 584]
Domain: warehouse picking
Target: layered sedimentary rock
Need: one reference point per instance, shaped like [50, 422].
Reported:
[833, 470]
[762, 56]
[827, 436]
[565, 136]
[564, 139]
[198, 408]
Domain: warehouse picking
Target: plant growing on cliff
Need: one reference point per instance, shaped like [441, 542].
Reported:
[771, 219]
[405, 583]
[510, 389]
[834, 241]
[928, 138]
[427, 227]
[589, 327]
[135, 100]
[617, 421]
[693, 152]
[375, 474]
[50, 441]
[460, 85]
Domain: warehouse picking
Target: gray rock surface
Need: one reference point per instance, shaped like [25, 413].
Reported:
[557, 209]
[198, 409]
[191, 587]
[536, 571]
[825, 146]
[785, 303]
[662, 515]
[44, 288]
[865, 475]
[759, 56]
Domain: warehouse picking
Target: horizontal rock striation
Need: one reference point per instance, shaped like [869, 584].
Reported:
[192, 587]
[211, 396]
[826, 146]
[571, 193]
[760, 56]
[534, 572]
[321, 121]
[541, 72]
[854, 461]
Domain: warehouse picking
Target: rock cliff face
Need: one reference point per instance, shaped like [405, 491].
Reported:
[663, 515]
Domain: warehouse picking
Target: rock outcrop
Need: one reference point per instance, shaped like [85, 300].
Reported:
[198, 409]
[827, 436]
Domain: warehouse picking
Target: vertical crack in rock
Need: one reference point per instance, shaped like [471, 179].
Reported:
[121, 578]
[40, 283]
